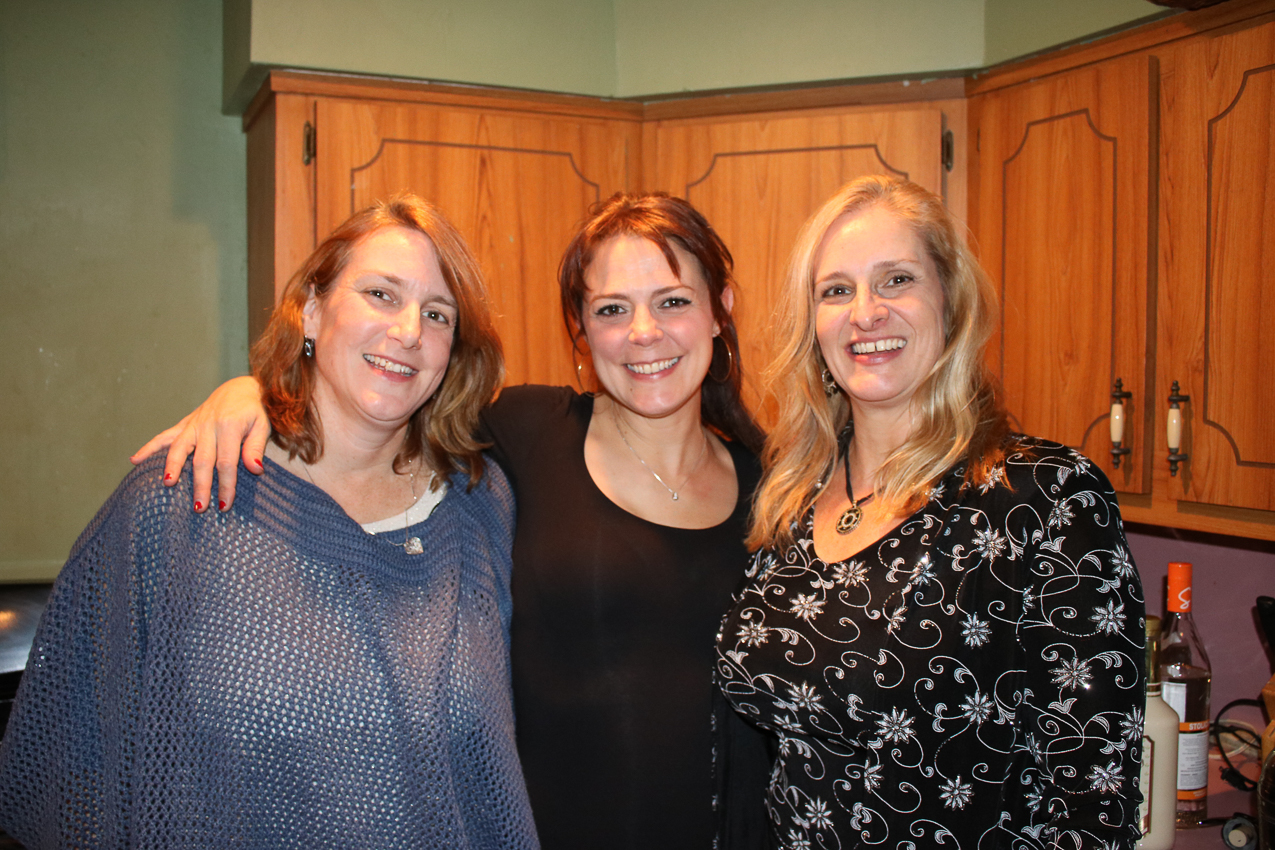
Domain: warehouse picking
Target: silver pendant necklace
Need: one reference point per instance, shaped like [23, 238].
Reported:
[411, 544]
[703, 451]
[853, 515]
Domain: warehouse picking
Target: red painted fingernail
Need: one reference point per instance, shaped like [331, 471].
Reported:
[257, 461]
[168, 476]
[221, 505]
[199, 506]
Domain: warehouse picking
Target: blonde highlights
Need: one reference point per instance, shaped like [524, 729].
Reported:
[958, 412]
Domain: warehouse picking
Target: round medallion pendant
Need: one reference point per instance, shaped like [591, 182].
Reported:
[850, 519]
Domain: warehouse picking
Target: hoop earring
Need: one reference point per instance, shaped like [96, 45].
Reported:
[830, 387]
[730, 363]
[580, 375]
[307, 347]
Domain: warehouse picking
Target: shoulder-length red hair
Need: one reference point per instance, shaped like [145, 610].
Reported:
[442, 430]
[667, 221]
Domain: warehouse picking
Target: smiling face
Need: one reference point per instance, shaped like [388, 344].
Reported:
[383, 332]
[879, 308]
[650, 332]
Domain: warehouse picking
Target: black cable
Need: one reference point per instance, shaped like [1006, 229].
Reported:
[1245, 736]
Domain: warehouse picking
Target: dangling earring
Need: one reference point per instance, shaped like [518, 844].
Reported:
[830, 387]
[730, 362]
[307, 347]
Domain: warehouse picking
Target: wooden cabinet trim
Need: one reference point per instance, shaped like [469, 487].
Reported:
[735, 104]
[720, 155]
[570, 158]
[362, 88]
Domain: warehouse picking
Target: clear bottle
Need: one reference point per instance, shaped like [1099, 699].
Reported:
[1186, 677]
[1157, 816]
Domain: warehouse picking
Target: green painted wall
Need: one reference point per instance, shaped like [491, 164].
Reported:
[122, 231]
[1018, 27]
[666, 46]
[556, 45]
[635, 48]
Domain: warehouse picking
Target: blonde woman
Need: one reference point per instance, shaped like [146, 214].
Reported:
[942, 628]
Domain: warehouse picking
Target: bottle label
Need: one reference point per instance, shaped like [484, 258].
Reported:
[1144, 785]
[1193, 760]
[1174, 693]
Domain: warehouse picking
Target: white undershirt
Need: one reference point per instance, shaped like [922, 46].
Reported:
[416, 513]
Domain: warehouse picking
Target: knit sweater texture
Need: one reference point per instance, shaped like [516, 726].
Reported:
[272, 676]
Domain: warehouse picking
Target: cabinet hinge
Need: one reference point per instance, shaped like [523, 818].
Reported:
[948, 149]
[308, 144]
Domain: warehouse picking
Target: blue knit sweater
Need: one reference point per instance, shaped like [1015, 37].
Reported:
[271, 677]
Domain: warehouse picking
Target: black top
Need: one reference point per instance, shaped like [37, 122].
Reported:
[972, 680]
[613, 638]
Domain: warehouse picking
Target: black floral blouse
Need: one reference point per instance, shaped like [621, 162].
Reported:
[972, 680]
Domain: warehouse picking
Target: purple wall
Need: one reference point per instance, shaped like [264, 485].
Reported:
[1229, 574]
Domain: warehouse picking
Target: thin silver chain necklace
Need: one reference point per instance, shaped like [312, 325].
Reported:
[411, 545]
[703, 451]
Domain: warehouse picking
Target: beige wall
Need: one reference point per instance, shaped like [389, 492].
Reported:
[122, 232]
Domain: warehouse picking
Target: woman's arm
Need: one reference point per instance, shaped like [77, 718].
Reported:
[1082, 631]
[233, 414]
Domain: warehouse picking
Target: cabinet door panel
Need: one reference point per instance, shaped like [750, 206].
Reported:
[1217, 265]
[1061, 227]
[758, 179]
[516, 185]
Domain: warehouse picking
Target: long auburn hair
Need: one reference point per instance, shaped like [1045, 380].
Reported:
[442, 430]
[960, 415]
[667, 221]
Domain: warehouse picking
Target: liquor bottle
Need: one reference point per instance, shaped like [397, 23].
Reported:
[1266, 803]
[1185, 677]
[1159, 780]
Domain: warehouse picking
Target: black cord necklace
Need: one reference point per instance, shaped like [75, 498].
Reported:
[853, 515]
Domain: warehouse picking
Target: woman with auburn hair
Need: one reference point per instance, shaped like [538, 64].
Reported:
[942, 628]
[325, 663]
[632, 509]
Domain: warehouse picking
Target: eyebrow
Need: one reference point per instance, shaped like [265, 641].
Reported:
[876, 267]
[447, 299]
[665, 290]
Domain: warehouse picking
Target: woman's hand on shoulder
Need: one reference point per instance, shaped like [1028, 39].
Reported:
[213, 432]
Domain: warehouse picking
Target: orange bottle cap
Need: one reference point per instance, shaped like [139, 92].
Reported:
[1179, 600]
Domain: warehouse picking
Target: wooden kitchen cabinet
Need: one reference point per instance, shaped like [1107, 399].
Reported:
[514, 174]
[1060, 210]
[1120, 195]
[517, 172]
[1123, 200]
[1216, 310]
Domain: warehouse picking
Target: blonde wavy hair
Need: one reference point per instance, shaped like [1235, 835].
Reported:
[959, 414]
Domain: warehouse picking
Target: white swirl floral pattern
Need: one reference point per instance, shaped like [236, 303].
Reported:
[972, 680]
